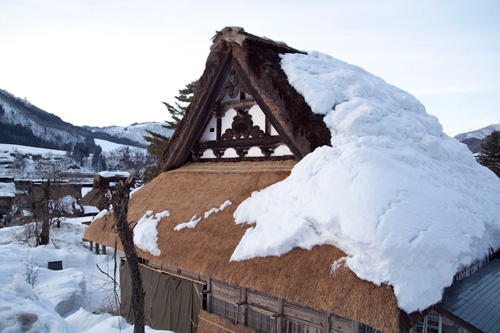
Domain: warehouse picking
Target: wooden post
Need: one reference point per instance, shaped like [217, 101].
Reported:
[96, 248]
[91, 245]
[355, 326]
[279, 322]
[103, 249]
[244, 309]
[327, 323]
[209, 295]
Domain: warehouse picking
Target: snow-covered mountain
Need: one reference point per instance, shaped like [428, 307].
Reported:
[25, 124]
[134, 132]
[479, 133]
[474, 139]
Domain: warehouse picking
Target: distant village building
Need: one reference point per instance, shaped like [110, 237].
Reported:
[7, 197]
[245, 129]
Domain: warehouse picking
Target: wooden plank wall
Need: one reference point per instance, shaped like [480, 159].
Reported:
[291, 317]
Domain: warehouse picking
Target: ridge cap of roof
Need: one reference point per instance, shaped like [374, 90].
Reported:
[230, 34]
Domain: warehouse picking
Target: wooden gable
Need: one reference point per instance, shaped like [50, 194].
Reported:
[238, 128]
[244, 108]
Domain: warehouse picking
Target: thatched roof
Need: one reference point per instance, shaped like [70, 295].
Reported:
[256, 61]
[300, 276]
[91, 198]
[185, 190]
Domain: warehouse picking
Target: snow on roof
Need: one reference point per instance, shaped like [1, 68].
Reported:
[409, 205]
[110, 174]
[7, 190]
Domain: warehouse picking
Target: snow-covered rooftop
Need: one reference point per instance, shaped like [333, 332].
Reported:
[110, 174]
[408, 205]
[7, 190]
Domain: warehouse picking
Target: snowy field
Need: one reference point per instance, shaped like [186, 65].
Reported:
[7, 148]
[75, 299]
[108, 146]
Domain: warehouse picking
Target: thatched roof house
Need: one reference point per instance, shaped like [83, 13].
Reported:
[245, 129]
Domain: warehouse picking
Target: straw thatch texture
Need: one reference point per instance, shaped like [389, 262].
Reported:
[300, 276]
[91, 198]
[212, 323]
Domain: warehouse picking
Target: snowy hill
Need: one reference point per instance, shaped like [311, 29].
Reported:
[474, 139]
[25, 124]
[478, 134]
[134, 132]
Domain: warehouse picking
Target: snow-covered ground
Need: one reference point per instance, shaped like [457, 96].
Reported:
[7, 149]
[24, 162]
[108, 146]
[75, 299]
[409, 205]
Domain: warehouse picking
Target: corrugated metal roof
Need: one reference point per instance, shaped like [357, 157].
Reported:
[476, 299]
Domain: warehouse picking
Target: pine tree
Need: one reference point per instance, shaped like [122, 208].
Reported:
[490, 153]
[157, 141]
[183, 100]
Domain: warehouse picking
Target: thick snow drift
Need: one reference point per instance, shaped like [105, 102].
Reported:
[56, 301]
[408, 205]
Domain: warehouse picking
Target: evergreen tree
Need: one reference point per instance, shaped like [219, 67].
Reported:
[490, 153]
[183, 100]
[80, 153]
[157, 141]
[98, 162]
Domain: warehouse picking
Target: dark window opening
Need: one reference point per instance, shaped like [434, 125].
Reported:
[224, 309]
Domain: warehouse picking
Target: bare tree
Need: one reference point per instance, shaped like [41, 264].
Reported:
[119, 200]
[46, 210]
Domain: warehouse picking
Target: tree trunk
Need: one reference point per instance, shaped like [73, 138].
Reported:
[119, 201]
[45, 233]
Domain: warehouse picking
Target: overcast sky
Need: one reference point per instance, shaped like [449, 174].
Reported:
[110, 62]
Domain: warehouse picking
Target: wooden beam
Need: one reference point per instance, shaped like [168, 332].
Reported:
[209, 295]
[203, 114]
[263, 106]
[280, 314]
[244, 309]
[327, 322]
[245, 142]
